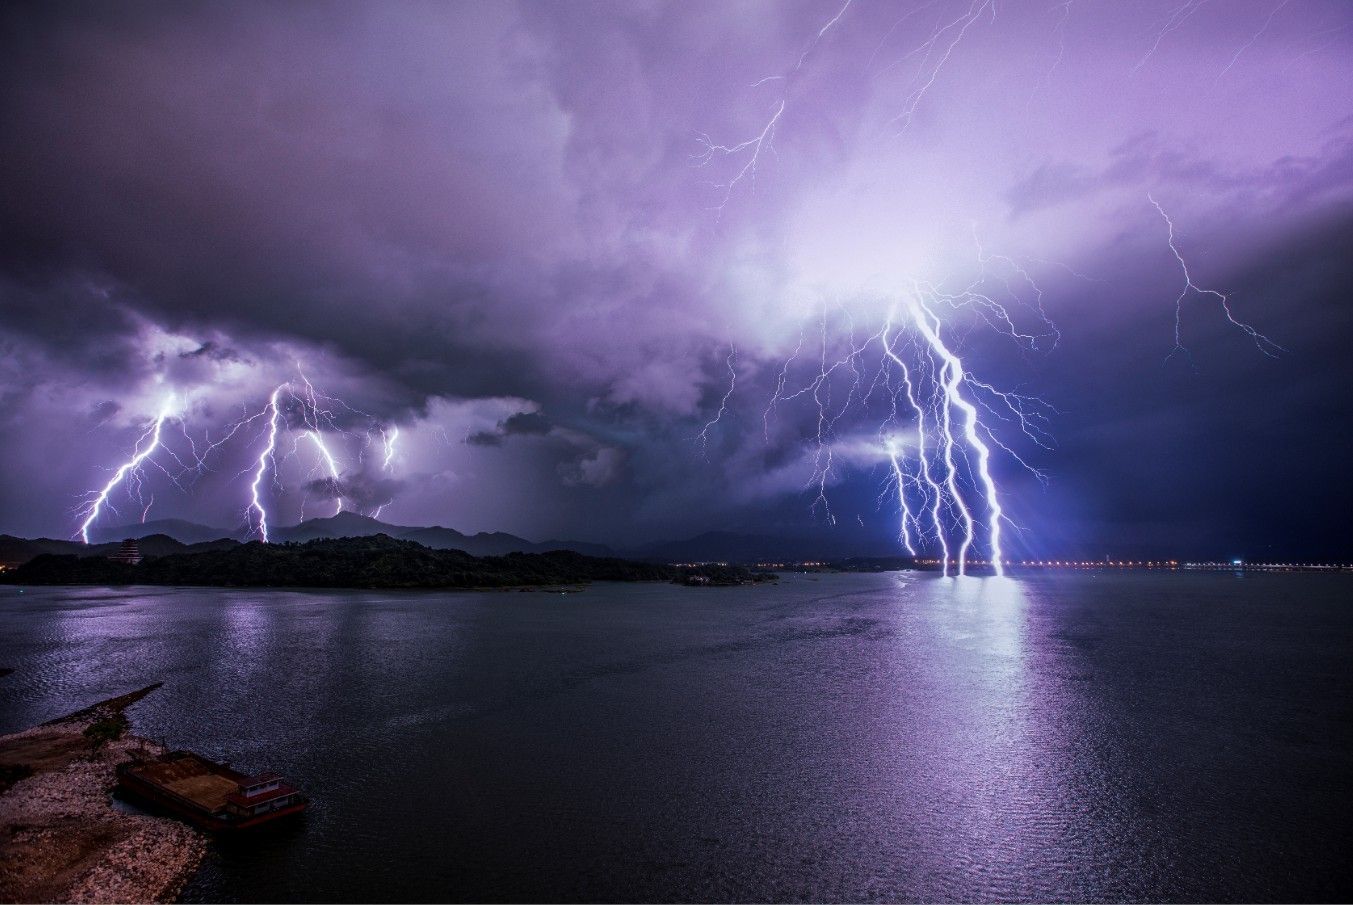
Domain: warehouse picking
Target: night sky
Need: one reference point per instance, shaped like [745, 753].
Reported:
[539, 240]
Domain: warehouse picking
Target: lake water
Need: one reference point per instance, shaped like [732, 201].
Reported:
[1080, 737]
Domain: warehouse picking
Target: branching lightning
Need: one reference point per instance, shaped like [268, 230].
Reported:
[295, 409]
[1261, 342]
[260, 521]
[388, 438]
[939, 450]
[953, 377]
[129, 471]
[935, 52]
[944, 429]
[944, 435]
[1177, 17]
[328, 459]
[703, 435]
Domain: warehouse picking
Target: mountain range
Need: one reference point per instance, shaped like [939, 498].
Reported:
[164, 537]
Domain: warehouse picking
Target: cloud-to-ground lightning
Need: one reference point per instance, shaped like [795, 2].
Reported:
[146, 444]
[329, 461]
[946, 477]
[941, 435]
[953, 378]
[388, 438]
[303, 410]
[257, 514]
[925, 483]
[938, 448]
[951, 455]
[297, 410]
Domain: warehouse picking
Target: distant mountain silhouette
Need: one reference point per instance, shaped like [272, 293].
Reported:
[496, 543]
[344, 524]
[165, 537]
[182, 531]
[16, 550]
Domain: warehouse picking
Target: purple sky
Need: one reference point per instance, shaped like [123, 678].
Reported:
[493, 227]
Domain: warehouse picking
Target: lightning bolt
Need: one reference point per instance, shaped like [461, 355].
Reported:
[703, 435]
[926, 482]
[902, 479]
[388, 464]
[328, 458]
[945, 479]
[762, 142]
[929, 71]
[934, 52]
[289, 401]
[265, 457]
[1251, 42]
[953, 377]
[1178, 16]
[1261, 342]
[389, 440]
[754, 147]
[146, 444]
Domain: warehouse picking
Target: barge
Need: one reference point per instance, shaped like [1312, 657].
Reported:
[210, 795]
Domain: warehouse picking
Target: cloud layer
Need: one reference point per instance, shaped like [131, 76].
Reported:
[501, 230]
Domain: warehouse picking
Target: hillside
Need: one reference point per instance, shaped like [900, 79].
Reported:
[367, 562]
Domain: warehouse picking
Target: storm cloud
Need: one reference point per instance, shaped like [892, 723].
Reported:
[496, 232]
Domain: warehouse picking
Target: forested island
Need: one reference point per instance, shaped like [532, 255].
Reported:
[379, 561]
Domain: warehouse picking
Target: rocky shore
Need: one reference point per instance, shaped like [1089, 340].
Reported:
[61, 839]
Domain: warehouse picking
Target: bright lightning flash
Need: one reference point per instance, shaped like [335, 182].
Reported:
[328, 458]
[129, 471]
[266, 457]
[938, 448]
[387, 466]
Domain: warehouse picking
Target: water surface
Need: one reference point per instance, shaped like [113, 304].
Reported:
[1082, 737]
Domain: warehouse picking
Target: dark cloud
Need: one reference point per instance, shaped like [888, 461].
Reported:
[595, 468]
[494, 223]
[530, 424]
[211, 350]
[485, 438]
[363, 491]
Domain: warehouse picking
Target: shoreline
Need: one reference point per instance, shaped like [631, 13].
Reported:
[564, 588]
[65, 841]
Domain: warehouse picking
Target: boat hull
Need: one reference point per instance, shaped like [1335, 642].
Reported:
[135, 787]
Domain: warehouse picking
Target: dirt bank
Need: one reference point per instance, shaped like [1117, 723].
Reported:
[61, 840]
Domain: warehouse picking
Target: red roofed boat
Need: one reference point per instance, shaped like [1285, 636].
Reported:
[210, 795]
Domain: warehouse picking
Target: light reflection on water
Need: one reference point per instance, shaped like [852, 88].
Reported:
[853, 737]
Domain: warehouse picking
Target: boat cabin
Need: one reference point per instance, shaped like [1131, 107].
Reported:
[260, 795]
